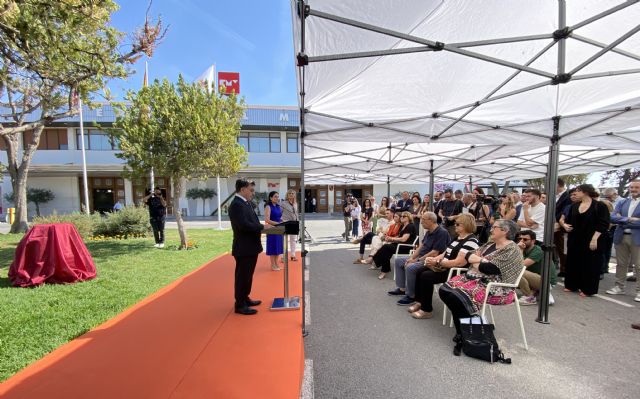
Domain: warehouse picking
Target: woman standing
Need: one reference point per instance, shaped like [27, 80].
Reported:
[438, 267]
[366, 216]
[355, 218]
[273, 216]
[415, 210]
[290, 213]
[498, 261]
[406, 236]
[588, 219]
[506, 210]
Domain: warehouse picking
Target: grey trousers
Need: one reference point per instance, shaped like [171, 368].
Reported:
[406, 275]
[348, 226]
[627, 254]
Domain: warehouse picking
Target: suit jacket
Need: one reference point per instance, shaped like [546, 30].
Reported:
[246, 229]
[562, 203]
[620, 218]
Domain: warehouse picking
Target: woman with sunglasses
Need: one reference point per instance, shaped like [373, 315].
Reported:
[497, 261]
[438, 267]
[407, 235]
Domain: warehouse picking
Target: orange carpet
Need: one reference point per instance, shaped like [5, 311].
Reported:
[184, 341]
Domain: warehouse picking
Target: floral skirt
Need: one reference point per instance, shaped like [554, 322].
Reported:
[474, 289]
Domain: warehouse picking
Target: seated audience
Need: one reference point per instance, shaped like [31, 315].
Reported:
[377, 241]
[435, 241]
[407, 235]
[437, 267]
[531, 280]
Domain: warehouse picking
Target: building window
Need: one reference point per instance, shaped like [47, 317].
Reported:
[243, 140]
[260, 142]
[292, 142]
[50, 139]
[97, 140]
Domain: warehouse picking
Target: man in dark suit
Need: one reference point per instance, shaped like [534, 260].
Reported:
[246, 244]
[562, 201]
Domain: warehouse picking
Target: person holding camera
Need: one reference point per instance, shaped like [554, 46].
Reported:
[447, 210]
[346, 213]
[157, 213]
[480, 210]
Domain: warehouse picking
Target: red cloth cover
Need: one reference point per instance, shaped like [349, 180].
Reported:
[51, 253]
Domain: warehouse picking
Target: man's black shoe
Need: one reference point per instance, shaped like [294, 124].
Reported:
[632, 279]
[250, 302]
[246, 311]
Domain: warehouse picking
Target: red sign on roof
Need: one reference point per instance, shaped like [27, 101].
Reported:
[230, 81]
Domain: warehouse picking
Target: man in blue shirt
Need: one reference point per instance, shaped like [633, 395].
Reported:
[435, 241]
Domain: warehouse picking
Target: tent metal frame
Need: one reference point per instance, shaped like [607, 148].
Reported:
[558, 77]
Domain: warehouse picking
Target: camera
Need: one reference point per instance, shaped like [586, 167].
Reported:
[485, 199]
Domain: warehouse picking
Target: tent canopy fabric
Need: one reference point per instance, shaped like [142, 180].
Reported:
[471, 72]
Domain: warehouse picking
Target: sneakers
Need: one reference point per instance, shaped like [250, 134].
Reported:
[161, 245]
[406, 301]
[528, 300]
[551, 300]
[397, 291]
[637, 298]
[155, 245]
[615, 291]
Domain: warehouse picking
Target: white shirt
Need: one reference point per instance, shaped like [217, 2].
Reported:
[537, 214]
[383, 224]
[241, 197]
[355, 212]
[558, 195]
[632, 207]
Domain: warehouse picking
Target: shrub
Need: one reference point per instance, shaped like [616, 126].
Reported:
[85, 224]
[129, 222]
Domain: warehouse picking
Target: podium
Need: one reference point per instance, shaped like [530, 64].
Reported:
[286, 302]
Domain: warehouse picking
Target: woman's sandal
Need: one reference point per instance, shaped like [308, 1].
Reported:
[275, 268]
[293, 258]
[357, 261]
[414, 308]
[373, 267]
[567, 290]
[421, 314]
[382, 276]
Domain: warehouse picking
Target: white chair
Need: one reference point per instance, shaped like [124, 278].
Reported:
[456, 270]
[393, 258]
[516, 302]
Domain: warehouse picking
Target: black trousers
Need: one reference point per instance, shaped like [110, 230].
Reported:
[365, 241]
[457, 308]
[157, 224]
[425, 281]
[245, 266]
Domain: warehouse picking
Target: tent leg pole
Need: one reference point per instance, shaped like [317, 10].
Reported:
[388, 188]
[550, 220]
[431, 184]
[303, 253]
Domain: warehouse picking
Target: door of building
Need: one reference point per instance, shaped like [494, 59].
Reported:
[102, 200]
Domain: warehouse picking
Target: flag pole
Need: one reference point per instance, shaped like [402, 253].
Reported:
[84, 160]
[145, 83]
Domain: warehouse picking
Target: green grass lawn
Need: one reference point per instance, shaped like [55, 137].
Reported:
[35, 321]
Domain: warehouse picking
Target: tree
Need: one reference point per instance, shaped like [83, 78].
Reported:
[193, 134]
[36, 195]
[201, 193]
[569, 180]
[620, 178]
[53, 52]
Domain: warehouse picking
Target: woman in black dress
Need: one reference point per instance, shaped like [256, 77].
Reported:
[587, 220]
[407, 235]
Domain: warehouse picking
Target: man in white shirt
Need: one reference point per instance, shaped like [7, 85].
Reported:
[533, 213]
[626, 238]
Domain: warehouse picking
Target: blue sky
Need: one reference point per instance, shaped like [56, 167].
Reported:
[252, 37]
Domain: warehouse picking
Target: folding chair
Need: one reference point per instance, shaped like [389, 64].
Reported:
[393, 258]
[516, 302]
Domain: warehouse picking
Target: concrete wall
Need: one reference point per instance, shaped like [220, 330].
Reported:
[66, 190]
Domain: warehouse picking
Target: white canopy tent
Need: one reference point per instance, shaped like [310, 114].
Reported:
[529, 73]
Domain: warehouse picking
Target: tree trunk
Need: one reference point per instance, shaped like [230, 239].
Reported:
[18, 171]
[37, 209]
[182, 231]
[622, 183]
[203, 203]
[505, 189]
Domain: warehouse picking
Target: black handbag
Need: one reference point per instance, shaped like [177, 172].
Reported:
[479, 342]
